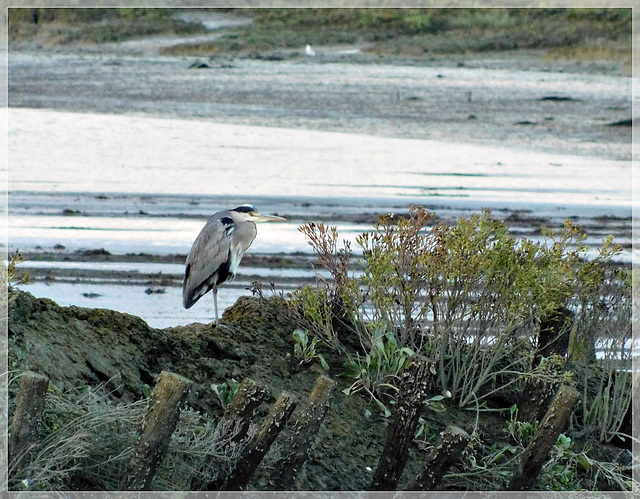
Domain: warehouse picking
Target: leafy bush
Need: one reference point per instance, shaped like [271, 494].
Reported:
[468, 296]
[305, 349]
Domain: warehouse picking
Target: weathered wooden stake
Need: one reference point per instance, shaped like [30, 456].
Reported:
[413, 387]
[234, 425]
[553, 336]
[534, 400]
[448, 450]
[552, 424]
[241, 410]
[303, 434]
[260, 443]
[27, 417]
[553, 339]
[164, 409]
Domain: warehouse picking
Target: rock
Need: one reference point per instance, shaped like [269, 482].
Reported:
[199, 65]
[558, 98]
[628, 122]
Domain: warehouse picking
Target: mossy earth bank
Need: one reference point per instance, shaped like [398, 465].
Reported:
[119, 355]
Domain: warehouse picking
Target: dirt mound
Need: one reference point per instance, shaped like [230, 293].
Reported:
[82, 347]
[77, 347]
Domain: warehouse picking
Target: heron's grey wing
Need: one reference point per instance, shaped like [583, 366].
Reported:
[207, 264]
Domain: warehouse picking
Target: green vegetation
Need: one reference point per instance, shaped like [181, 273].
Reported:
[226, 391]
[305, 349]
[12, 277]
[470, 298]
[466, 28]
[410, 32]
[420, 32]
[491, 466]
[61, 26]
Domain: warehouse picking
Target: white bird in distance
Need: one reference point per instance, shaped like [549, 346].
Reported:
[309, 51]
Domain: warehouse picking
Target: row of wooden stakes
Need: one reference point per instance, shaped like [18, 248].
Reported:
[170, 394]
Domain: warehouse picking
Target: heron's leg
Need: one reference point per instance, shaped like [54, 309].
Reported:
[215, 304]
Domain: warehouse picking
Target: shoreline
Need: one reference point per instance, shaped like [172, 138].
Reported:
[456, 102]
[519, 100]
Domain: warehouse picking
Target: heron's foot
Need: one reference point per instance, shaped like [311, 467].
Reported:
[223, 327]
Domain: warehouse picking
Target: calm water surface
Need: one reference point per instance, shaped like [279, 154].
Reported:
[134, 184]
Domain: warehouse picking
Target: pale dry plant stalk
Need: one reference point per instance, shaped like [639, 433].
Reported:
[608, 379]
[198, 448]
[88, 439]
[316, 309]
[332, 257]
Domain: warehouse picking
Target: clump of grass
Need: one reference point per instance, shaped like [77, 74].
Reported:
[601, 349]
[489, 465]
[87, 441]
[198, 448]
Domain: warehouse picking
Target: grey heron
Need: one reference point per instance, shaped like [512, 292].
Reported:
[217, 251]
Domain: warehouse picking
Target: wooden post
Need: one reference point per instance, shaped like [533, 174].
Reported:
[534, 400]
[164, 409]
[233, 427]
[453, 442]
[553, 339]
[553, 335]
[241, 410]
[553, 423]
[260, 443]
[27, 417]
[412, 389]
[303, 434]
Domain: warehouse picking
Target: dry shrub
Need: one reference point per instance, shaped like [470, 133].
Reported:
[87, 441]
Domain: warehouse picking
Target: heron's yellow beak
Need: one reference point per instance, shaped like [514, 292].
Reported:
[257, 217]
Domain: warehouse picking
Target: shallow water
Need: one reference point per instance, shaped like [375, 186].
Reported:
[132, 184]
[56, 152]
[157, 309]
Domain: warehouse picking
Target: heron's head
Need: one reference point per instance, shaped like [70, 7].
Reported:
[250, 213]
